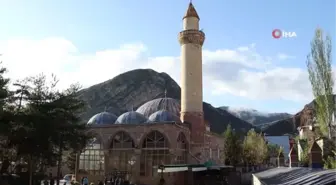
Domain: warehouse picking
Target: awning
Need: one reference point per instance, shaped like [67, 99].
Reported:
[180, 169]
[184, 167]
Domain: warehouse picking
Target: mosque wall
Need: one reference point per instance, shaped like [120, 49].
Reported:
[149, 146]
[138, 132]
[215, 145]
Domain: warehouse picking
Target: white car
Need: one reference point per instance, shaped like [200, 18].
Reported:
[66, 179]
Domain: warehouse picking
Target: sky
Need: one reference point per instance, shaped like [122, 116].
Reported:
[243, 65]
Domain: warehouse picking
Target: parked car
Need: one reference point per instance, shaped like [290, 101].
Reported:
[67, 179]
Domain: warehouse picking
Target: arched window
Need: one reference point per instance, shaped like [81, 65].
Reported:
[92, 159]
[155, 140]
[181, 152]
[122, 140]
[181, 141]
[121, 153]
[155, 151]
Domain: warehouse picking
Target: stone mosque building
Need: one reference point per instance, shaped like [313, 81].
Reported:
[162, 131]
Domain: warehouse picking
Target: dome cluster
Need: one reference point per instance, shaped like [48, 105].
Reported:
[157, 110]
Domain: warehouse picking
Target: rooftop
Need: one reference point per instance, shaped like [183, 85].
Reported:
[296, 176]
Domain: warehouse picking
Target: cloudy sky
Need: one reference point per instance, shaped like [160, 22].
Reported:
[92, 41]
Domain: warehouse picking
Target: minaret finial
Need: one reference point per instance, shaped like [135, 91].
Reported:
[165, 103]
[191, 11]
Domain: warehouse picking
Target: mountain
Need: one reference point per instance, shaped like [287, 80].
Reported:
[255, 117]
[130, 90]
[290, 125]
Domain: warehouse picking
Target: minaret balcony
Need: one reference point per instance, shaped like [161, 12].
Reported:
[191, 37]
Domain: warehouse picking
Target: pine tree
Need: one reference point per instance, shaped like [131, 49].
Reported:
[5, 123]
[47, 122]
[232, 147]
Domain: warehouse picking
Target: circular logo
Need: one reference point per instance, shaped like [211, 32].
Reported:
[276, 33]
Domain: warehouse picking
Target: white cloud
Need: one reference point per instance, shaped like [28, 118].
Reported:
[282, 56]
[241, 71]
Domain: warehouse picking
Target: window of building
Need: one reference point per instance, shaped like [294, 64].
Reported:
[121, 153]
[155, 151]
[92, 159]
[181, 151]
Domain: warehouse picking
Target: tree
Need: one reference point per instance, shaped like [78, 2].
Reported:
[305, 156]
[330, 161]
[232, 146]
[4, 93]
[254, 148]
[5, 123]
[320, 75]
[272, 150]
[71, 135]
[71, 160]
[46, 121]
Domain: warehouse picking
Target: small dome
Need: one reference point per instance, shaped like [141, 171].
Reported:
[131, 117]
[102, 118]
[169, 104]
[163, 116]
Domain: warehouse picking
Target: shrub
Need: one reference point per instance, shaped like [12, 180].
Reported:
[75, 183]
[330, 163]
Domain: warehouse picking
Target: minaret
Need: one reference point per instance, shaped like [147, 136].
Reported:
[191, 40]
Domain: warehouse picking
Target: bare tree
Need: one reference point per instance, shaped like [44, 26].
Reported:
[321, 78]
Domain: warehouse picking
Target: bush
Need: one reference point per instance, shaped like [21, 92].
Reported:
[75, 183]
[330, 163]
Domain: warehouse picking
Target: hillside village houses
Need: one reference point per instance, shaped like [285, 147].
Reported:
[308, 127]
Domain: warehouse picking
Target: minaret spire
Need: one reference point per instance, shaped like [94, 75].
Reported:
[191, 11]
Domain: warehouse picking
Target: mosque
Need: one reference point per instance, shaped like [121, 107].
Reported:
[161, 131]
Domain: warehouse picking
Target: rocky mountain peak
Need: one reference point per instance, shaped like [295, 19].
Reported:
[134, 88]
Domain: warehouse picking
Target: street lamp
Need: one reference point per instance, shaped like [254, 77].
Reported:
[161, 167]
[131, 162]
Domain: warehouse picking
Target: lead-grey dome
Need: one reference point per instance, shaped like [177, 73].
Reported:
[131, 117]
[163, 116]
[171, 105]
[102, 118]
